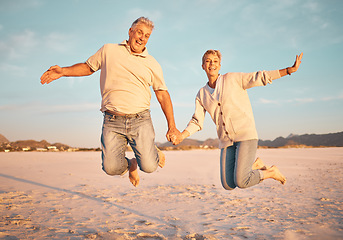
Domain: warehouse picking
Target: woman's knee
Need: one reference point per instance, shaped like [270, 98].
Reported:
[242, 182]
[227, 186]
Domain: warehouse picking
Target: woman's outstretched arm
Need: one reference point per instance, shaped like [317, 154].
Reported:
[294, 68]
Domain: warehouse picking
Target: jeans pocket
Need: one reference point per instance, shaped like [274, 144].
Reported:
[144, 115]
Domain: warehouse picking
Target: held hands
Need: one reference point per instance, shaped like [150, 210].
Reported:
[177, 138]
[173, 134]
[51, 74]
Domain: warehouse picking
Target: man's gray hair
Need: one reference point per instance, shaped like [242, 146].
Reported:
[144, 20]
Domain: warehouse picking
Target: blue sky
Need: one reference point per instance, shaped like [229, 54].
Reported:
[252, 36]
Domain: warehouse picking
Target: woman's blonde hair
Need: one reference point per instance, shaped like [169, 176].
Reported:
[214, 52]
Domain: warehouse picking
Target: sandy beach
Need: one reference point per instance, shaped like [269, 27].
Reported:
[61, 195]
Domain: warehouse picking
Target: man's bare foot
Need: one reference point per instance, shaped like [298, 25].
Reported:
[133, 172]
[274, 173]
[258, 164]
[162, 158]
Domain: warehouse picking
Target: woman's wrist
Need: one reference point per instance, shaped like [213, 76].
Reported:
[185, 134]
[288, 71]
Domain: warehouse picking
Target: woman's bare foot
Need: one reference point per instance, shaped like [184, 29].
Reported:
[258, 164]
[162, 158]
[274, 173]
[133, 172]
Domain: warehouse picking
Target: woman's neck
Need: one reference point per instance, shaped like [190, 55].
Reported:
[212, 81]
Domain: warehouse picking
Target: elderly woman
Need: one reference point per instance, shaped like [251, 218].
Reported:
[226, 99]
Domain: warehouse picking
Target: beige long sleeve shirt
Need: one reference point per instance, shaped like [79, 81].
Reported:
[229, 106]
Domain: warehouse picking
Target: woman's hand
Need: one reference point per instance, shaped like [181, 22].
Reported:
[296, 64]
[177, 139]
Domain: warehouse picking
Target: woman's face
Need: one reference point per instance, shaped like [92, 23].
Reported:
[211, 65]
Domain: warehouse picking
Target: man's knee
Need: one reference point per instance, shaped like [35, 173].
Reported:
[113, 170]
[148, 168]
[113, 166]
[148, 165]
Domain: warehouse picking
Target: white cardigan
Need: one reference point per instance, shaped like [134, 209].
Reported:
[229, 106]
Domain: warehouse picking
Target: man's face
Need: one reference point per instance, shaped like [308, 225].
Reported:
[138, 37]
[211, 65]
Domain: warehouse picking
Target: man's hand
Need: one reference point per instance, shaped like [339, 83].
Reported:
[173, 134]
[177, 139]
[55, 72]
[51, 74]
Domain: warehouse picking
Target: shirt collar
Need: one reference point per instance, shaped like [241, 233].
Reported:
[218, 78]
[142, 54]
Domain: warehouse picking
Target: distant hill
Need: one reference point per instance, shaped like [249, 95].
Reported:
[3, 139]
[306, 140]
[313, 140]
[189, 143]
[310, 140]
[29, 144]
[36, 144]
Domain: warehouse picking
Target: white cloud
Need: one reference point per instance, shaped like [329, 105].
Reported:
[58, 41]
[81, 107]
[311, 6]
[153, 15]
[302, 100]
[14, 70]
[20, 5]
[332, 98]
[44, 108]
[267, 101]
[22, 45]
[189, 104]
[299, 22]
[19, 45]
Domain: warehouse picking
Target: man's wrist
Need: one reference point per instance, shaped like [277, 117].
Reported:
[171, 127]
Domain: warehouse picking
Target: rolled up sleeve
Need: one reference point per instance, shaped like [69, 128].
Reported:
[197, 121]
[260, 78]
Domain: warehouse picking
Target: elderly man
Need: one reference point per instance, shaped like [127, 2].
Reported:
[127, 72]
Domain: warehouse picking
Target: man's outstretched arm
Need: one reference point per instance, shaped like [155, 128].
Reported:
[56, 72]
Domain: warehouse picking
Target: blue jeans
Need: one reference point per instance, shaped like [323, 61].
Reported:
[135, 129]
[236, 165]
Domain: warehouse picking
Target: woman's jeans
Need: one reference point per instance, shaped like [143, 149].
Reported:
[236, 165]
[135, 129]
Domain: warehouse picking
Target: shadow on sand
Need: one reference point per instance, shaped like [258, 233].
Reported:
[98, 199]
